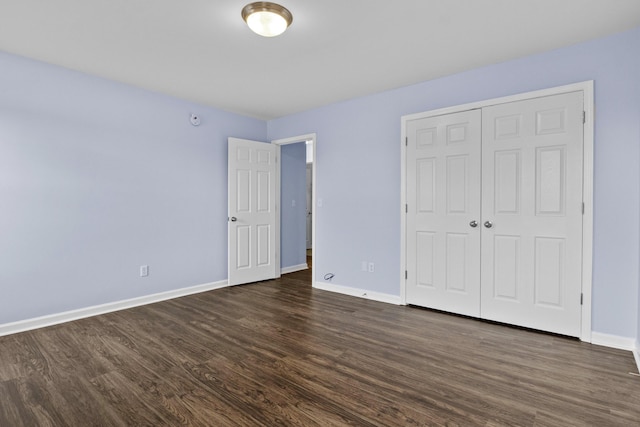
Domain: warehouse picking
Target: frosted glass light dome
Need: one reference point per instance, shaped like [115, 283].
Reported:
[267, 19]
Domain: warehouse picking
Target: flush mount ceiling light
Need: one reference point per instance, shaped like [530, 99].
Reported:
[266, 18]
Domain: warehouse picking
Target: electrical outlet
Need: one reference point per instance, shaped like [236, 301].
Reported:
[372, 267]
[144, 270]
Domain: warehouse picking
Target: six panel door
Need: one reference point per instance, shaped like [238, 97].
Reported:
[443, 197]
[252, 211]
[532, 196]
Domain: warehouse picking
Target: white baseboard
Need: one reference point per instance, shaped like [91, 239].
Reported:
[294, 268]
[636, 355]
[360, 293]
[613, 341]
[68, 316]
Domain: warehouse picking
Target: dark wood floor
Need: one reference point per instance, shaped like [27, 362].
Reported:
[282, 353]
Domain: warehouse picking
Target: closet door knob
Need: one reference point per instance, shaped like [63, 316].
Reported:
[233, 219]
[473, 224]
[488, 224]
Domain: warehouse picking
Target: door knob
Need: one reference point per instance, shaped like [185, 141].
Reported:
[233, 219]
[473, 224]
[488, 224]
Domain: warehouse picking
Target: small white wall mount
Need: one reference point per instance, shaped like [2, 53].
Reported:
[195, 119]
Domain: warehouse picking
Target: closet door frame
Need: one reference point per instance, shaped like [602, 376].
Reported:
[587, 87]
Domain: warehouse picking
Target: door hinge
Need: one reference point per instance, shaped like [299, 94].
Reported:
[406, 208]
[406, 275]
[584, 117]
[582, 208]
[581, 298]
[406, 141]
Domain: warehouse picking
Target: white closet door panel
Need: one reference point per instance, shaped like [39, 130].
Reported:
[532, 196]
[443, 197]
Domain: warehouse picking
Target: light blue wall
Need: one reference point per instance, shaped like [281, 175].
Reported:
[293, 199]
[358, 167]
[98, 178]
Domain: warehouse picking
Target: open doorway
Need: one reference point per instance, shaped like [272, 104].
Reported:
[297, 198]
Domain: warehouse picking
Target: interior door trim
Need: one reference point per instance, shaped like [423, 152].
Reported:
[587, 87]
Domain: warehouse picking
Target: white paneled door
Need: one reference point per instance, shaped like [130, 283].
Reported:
[494, 212]
[532, 201]
[443, 212]
[252, 220]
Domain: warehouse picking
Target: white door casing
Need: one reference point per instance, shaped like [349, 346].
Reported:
[532, 196]
[443, 212]
[309, 218]
[559, 186]
[252, 211]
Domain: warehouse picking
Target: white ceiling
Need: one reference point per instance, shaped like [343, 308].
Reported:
[202, 51]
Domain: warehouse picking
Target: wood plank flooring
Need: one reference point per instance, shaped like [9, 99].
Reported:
[282, 353]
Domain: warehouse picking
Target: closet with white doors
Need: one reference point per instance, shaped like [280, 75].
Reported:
[494, 212]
